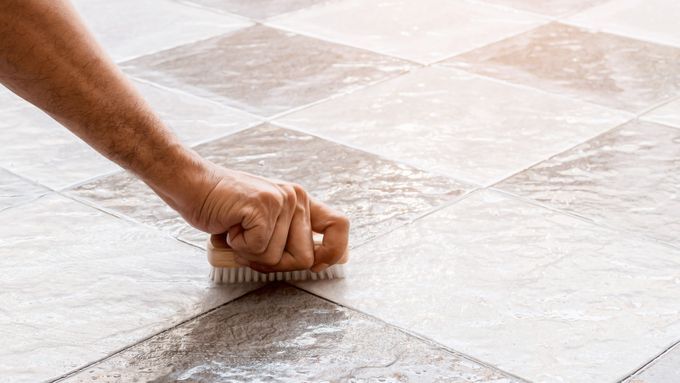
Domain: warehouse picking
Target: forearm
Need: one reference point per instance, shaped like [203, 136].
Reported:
[49, 58]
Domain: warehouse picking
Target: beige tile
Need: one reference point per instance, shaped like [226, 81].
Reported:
[78, 285]
[131, 28]
[652, 20]
[664, 369]
[409, 29]
[628, 178]
[456, 123]
[377, 194]
[257, 9]
[668, 114]
[549, 7]
[15, 190]
[599, 67]
[265, 71]
[536, 293]
[38, 148]
[282, 334]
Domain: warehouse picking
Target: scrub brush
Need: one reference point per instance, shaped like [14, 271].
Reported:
[226, 270]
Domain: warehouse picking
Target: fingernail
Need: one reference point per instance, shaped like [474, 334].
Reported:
[320, 267]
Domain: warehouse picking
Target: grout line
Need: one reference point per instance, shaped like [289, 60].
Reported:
[650, 363]
[144, 339]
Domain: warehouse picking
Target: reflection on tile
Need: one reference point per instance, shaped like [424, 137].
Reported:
[549, 7]
[652, 20]
[282, 334]
[38, 148]
[629, 178]
[78, 284]
[539, 294]
[410, 29]
[257, 9]
[461, 124]
[152, 26]
[377, 194]
[668, 114]
[606, 69]
[662, 370]
[263, 70]
[15, 190]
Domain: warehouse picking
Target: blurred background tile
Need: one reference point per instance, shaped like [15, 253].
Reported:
[538, 293]
[628, 178]
[549, 7]
[282, 334]
[15, 190]
[606, 69]
[265, 71]
[257, 9]
[377, 194]
[456, 123]
[78, 284]
[668, 114]
[131, 28]
[38, 148]
[664, 369]
[409, 29]
[652, 20]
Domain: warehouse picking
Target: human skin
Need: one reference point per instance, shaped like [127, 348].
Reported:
[49, 58]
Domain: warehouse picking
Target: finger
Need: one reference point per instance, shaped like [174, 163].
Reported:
[335, 229]
[254, 232]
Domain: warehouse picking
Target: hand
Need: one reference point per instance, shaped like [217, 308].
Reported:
[269, 224]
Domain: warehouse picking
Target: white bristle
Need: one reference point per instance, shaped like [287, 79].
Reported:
[246, 274]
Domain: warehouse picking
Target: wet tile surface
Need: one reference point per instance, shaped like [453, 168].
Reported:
[602, 68]
[662, 370]
[456, 123]
[377, 194]
[78, 284]
[410, 29]
[38, 148]
[651, 20]
[153, 26]
[282, 334]
[628, 178]
[549, 7]
[543, 295]
[265, 71]
[668, 114]
[258, 9]
[15, 190]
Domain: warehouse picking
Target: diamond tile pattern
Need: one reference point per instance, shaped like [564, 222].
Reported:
[456, 123]
[668, 114]
[258, 9]
[629, 177]
[377, 194]
[15, 190]
[565, 300]
[287, 335]
[607, 69]
[410, 29]
[265, 71]
[549, 7]
[662, 370]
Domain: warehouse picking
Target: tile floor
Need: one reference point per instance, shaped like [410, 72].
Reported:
[511, 169]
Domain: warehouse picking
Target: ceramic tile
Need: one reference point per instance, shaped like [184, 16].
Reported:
[15, 190]
[410, 29]
[258, 9]
[549, 7]
[668, 114]
[78, 284]
[652, 20]
[377, 194]
[542, 295]
[152, 26]
[265, 71]
[627, 178]
[599, 67]
[456, 123]
[282, 334]
[38, 148]
[662, 370]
